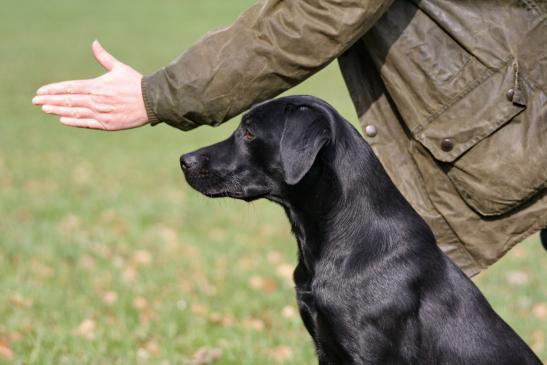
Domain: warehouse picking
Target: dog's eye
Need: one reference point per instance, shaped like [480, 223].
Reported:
[248, 135]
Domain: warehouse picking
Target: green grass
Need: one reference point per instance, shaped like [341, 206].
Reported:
[107, 257]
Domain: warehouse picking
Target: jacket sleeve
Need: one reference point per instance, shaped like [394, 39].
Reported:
[271, 47]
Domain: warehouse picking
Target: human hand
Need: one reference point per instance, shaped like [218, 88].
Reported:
[112, 101]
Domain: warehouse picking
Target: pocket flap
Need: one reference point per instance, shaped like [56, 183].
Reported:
[486, 105]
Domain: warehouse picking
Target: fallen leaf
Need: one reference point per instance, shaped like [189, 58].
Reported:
[263, 284]
[141, 258]
[143, 354]
[199, 310]
[288, 311]
[129, 275]
[274, 257]
[110, 297]
[285, 271]
[517, 278]
[255, 324]
[108, 215]
[205, 355]
[220, 319]
[140, 303]
[20, 301]
[282, 353]
[518, 252]
[5, 350]
[87, 329]
[147, 316]
[15, 336]
[152, 347]
[540, 310]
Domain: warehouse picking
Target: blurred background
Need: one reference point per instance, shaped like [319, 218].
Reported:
[107, 256]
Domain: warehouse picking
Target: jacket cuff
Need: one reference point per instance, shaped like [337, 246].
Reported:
[152, 117]
[156, 104]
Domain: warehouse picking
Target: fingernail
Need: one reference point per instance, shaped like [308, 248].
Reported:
[46, 108]
[41, 90]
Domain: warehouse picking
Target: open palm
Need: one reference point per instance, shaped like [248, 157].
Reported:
[112, 101]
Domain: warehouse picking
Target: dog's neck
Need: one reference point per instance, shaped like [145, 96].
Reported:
[334, 213]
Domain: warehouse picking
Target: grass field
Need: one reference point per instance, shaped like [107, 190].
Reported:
[107, 257]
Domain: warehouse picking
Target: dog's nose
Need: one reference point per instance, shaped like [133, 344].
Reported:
[188, 161]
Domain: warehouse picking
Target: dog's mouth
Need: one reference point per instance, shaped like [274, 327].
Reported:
[236, 195]
[213, 186]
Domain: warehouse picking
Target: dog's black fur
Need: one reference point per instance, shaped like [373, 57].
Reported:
[371, 283]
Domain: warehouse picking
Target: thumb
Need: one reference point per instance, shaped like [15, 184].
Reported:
[103, 57]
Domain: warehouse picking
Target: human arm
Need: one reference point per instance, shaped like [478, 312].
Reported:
[271, 47]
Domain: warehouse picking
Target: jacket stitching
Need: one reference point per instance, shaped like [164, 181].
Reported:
[532, 6]
[460, 242]
[486, 211]
[472, 85]
[500, 119]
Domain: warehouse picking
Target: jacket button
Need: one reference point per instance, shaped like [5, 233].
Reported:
[371, 130]
[447, 145]
[510, 93]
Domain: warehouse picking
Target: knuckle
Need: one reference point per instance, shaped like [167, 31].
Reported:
[95, 88]
[95, 99]
[104, 119]
[104, 108]
[83, 112]
[97, 102]
[51, 109]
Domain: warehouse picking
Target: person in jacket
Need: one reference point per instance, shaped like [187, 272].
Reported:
[451, 97]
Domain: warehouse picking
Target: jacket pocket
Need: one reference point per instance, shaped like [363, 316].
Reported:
[490, 150]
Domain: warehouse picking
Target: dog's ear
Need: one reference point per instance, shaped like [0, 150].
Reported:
[305, 132]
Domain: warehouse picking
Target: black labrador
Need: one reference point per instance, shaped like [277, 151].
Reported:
[371, 283]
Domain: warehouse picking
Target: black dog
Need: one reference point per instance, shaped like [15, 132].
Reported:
[372, 285]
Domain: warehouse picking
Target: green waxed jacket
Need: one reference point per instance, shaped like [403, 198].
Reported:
[453, 94]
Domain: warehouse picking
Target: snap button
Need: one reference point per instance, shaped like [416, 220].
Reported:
[371, 130]
[510, 93]
[447, 145]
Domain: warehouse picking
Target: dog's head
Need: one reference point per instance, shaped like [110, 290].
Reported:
[273, 148]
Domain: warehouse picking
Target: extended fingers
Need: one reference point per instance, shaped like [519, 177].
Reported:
[96, 103]
[72, 112]
[83, 123]
[62, 100]
[67, 87]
